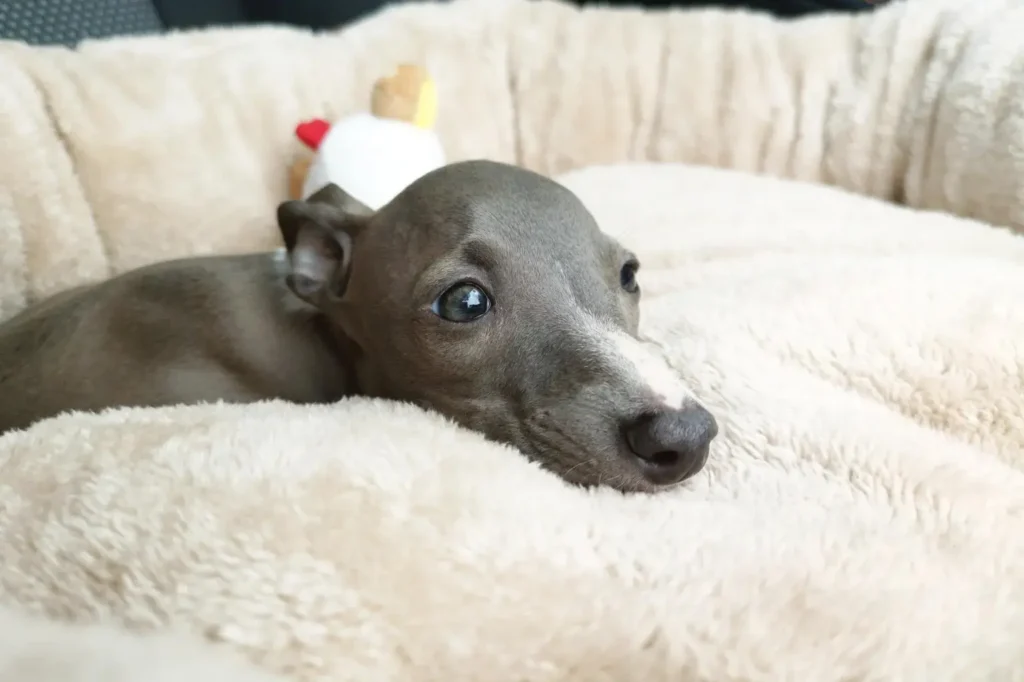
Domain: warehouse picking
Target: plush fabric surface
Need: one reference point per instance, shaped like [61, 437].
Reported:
[39, 650]
[862, 515]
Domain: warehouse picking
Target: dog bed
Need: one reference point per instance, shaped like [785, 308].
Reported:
[827, 212]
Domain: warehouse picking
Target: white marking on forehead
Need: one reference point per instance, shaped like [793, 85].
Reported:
[640, 361]
[652, 369]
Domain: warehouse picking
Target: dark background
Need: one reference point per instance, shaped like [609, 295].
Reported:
[69, 21]
[328, 13]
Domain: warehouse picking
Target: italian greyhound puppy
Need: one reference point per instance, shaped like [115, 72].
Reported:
[483, 291]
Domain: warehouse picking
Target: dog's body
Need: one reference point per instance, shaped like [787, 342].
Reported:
[185, 331]
[483, 291]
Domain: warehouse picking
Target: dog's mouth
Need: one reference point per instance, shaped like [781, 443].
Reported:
[547, 443]
[595, 452]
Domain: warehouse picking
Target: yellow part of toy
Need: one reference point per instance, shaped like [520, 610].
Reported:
[408, 95]
[426, 106]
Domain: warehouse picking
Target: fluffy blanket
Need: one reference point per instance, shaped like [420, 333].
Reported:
[862, 515]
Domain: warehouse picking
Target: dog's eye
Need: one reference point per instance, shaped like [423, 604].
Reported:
[627, 276]
[463, 302]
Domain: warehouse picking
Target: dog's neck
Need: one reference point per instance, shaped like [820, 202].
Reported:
[315, 323]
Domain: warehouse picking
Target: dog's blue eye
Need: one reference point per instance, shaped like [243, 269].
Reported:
[463, 302]
[627, 276]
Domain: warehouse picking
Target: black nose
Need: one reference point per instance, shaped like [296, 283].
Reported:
[672, 445]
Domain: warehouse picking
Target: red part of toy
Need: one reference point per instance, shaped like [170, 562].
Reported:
[312, 132]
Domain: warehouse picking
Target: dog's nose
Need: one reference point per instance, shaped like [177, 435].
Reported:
[672, 445]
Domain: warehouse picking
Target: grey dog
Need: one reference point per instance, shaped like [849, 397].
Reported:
[483, 291]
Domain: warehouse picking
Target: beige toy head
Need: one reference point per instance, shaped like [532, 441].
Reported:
[407, 95]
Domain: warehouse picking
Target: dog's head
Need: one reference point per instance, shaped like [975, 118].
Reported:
[489, 294]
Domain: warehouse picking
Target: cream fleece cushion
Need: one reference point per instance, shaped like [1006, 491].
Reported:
[38, 650]
[862, 515]
[128, 151]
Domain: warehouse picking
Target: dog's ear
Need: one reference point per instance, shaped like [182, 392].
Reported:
[318, 234]
[335, 196]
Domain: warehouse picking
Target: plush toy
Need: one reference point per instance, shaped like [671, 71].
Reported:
[373, 156]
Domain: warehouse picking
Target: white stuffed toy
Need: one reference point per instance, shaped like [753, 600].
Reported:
[374, 155]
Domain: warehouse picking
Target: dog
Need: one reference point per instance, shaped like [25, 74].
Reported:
[483, 291]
